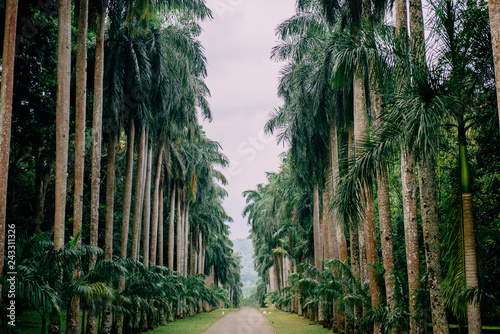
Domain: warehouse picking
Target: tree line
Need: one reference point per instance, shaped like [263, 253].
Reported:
[113, 186]
[385, 207]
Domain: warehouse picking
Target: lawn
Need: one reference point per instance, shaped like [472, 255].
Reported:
[29, 323]
[193, 325]
[285, 323]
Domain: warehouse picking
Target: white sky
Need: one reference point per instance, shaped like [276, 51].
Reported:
[243, 82]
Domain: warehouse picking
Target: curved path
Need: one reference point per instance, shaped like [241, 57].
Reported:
[246, 321]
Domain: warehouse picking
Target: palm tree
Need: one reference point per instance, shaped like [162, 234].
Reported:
[6, 91]
[73, 324]
[62, 130]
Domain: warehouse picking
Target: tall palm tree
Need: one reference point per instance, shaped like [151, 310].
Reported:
[73, 324]
[6, 92]
[62, 130]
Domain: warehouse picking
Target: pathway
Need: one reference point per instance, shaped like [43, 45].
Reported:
[246, 321]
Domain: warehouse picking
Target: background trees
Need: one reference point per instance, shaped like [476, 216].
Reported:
[145, 74]
[353, 84]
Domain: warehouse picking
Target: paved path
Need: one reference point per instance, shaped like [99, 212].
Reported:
[246, 321]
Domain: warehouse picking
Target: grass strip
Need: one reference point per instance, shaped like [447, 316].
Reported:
[193, 325]
[286, 323]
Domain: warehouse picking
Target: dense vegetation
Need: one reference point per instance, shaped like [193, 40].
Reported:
[114, 190]
[385, 213]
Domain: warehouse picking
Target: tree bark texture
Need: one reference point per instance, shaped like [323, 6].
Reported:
[137, 200]
[147, 211]
[430, 226]
[160, 227]
[6, 92]
[73, 321]
[171, 229]
[156, 200]
[127, 196]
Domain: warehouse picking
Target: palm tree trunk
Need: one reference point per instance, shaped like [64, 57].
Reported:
[62, 131]
[186, 233]
[409, 194]
[367, 229]
[200, 255]
[147, 211]
[110, 196]
[316, 229]
[411, 236]
[156, 200]
[139, 181]
[179, 231]
[107, 321]
[160, 225]
[127, 196]
[430, 225]
[339, 226]
[471, 273]
[127, 200]
[171, 229]
[96, 151]
[494, 9]
[6, 92]
[62, 118]
[73, 325]
[191, 254]
[384, 204]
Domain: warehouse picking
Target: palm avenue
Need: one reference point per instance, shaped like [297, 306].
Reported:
[383, 217]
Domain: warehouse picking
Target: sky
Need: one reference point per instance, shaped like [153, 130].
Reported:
[243, 83]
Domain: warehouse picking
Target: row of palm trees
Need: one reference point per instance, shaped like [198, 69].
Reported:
[361, 97]
[147, 88]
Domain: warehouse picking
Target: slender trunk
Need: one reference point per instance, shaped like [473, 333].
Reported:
[186, 233]
[171, 229]
[62, 132]
[156, 200]
[471, 274]
[6, 92]
[147, 211]
[368, 226]
[316, 229]
[127, 200]
[359, 132]
[137, 201]
[127, 196]
[179, 231]
[200, 255]
[96, 151]
[62, 118]
[110, 196]
[409, 194]
[80, 126]
[384, 205]
[191, 254]
[339, 226]
[494, 9]
[107, 320]
[430, 226]
[160, 226]
[73, 325]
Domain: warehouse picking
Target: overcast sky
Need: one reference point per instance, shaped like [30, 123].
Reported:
[243, 82]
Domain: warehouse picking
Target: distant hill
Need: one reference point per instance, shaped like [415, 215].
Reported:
[248, 275]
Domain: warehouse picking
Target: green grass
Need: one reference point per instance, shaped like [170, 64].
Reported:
[285, 323]
[30, 323]
[193, 325]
